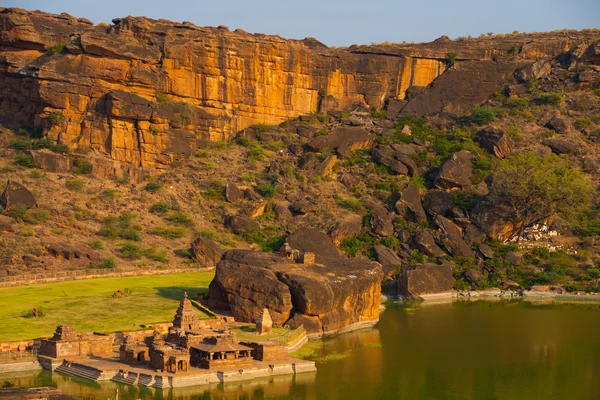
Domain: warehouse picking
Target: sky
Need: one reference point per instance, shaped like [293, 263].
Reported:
[343, 23]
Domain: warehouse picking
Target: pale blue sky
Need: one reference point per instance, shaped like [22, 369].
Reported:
[339, 22]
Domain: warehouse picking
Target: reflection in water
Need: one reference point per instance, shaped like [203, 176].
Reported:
[464, 350]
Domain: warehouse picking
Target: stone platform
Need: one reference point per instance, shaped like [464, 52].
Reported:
[99, 369]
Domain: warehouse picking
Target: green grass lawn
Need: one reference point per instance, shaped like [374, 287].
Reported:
[88, 306]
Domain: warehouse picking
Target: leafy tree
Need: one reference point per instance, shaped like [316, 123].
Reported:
[528, 189]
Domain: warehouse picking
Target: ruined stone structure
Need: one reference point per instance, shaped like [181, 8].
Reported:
[187, 328]
[144, 93]
[220, 352]
[133, 353]
[66, 342]
[264, 323]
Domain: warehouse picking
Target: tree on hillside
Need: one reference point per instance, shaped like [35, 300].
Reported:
[528, 189]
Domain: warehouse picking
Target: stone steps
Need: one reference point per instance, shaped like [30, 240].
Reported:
[73, 370]
[146, 380]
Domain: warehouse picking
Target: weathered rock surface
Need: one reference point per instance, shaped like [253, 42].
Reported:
[456, 171]
[409, 205]
[496, 141]
[326, 296]
[107, 81]
[426, 279]
[241, 224]
[206, 251]
[425, 242]
[232, 193]
[452, 238]
[389, 260]
[438, 202]
[343, 141]
[346, 229]
[16, 194]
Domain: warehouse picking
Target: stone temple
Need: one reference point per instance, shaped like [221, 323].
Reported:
[193, 352]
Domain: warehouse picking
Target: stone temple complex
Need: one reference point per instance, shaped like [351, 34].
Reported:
[193, 352]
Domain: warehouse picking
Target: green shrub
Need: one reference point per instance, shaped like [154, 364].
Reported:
[322, 132]
[152, 187]
[47, 143]
[162, 98]
[57, 48]
[160, 207]
[82, 167]
[181, 218]
[56, 118]
[553, 99]
[19, 144]
[96, 244]
[378, 114]
[169, 232]
[451, 59]
[266, 242]
[353, 205]
[74, 184]
[154, 255]
[111, 194]
[121, 227]
[131, 251]
[24, 160]
[583, 122]
[518, 104]
[107, 263]
[483, 115]
[267, 190]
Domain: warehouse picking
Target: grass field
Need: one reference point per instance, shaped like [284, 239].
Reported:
[88, 304]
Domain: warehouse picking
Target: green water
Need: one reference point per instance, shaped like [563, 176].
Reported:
[463, 350]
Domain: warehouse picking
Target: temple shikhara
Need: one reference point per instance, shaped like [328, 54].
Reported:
[193, 352]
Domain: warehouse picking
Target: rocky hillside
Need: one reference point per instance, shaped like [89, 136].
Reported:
[218, 140]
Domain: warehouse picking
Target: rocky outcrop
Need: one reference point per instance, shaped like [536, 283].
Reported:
[325, 296]
[17, 195]
[456, 172]
[425, 280]
[496, 141]
[149, 92]
[346, 229]
[343, 141]
[206, 251]
[409, 205]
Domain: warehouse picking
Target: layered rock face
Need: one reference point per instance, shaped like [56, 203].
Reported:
[147, 93]
[325, 296]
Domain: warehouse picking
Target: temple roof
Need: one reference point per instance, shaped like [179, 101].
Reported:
[220, 347]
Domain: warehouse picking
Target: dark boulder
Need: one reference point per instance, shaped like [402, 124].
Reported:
[562, 145]
[425, 242]
[301, 207]
[282, 211]
[514, 258]
[389, 260]
[456, 171]
[16, 194]
[438, 202]
[241, 224]
[409, 205]
[343, 140]
[206, 251]
[496, 141]
[486, 251]
[346, 229]
[473, 276]
[452, 238]
[537, 70]
[385, 155]
[426, 279]
[232, 193]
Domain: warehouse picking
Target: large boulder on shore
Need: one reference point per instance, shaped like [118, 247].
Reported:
[326, 295]
[496, 141]
[426, 279]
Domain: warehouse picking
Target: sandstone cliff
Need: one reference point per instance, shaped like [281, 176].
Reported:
[148, 92]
